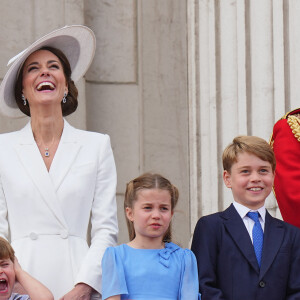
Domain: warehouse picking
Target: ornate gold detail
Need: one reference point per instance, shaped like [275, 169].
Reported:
[294, 124]
[271, 141]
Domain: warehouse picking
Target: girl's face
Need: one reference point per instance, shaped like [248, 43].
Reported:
[151, 214]
[44, 81]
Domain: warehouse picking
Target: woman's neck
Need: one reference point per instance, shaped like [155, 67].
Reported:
[46, 123]
[47, 129]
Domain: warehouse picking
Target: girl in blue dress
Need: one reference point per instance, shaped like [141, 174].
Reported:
[150, 266]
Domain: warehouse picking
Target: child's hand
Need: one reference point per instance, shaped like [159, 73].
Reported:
[29, 285]
[18, 288]
[17, 266]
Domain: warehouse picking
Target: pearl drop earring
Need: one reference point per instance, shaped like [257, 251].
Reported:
[24, 100]
[64, 99]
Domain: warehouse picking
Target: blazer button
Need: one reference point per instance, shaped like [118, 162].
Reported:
[33, 236]
[262, 284]
[64, 234]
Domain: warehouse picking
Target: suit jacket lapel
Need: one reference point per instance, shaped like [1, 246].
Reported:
[32, 161]
[236, 228]
[65, 155]
[273, 236]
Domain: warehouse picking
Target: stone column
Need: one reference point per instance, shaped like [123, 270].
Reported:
[243, 73]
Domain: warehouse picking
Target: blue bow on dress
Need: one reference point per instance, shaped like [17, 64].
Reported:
[164, 254]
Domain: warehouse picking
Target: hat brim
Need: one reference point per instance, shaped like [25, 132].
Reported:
[77, 42]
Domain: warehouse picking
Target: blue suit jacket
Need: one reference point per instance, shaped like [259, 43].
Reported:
[227, 264]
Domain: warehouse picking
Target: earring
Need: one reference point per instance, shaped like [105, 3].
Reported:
[24, 100]
[64, 99]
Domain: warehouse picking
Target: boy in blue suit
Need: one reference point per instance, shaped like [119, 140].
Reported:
[244, 256]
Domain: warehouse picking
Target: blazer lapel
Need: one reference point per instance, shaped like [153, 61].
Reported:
[32, 161]
[65, 155]
[236, 228]
[273, 236]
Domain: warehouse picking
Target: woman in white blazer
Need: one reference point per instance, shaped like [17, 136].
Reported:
[55, 178]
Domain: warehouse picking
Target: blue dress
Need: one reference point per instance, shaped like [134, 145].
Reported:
[160, 274]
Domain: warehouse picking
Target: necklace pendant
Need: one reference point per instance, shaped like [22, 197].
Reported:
[47, 153]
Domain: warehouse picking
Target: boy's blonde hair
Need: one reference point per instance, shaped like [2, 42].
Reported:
[148, 181]
[6, 250]
[249, 144]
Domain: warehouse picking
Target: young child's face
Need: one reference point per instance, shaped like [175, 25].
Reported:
[151, 213]
[7, 278]
[251, 180]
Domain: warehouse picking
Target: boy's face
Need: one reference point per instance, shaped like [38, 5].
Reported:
[7, 278]
[251, 180]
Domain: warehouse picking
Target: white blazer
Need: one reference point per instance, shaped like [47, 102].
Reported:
[46, 214]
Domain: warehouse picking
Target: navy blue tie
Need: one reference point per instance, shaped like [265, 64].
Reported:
[257, 235]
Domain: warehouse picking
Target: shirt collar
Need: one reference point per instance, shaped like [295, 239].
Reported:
[243, 210]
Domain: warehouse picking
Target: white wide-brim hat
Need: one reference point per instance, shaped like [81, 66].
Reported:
[77, 42]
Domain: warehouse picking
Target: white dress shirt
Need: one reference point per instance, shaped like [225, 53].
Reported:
[249, 223]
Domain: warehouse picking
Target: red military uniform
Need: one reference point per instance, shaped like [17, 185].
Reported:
[286, 144]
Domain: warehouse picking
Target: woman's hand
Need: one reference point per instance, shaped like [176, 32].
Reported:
[81, 291]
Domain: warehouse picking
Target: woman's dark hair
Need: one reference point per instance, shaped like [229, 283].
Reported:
[71, 104]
